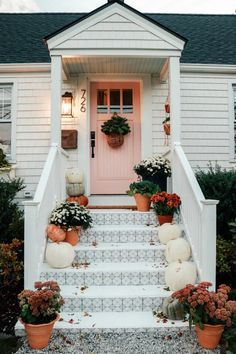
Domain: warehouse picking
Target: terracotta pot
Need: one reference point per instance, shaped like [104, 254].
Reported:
[209, 337]
[143, 202]
[115, 140]
[164, 219]
[166, 127]
[38, 335]
[72, 236]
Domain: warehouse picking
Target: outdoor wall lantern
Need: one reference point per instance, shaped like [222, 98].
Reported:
[66, 109]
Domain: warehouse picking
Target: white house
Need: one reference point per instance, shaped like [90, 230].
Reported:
[117, 59]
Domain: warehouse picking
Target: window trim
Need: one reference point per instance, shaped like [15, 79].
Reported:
[12, 158]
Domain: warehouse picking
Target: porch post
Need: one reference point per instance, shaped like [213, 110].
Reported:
[56, 86]
[174, 96]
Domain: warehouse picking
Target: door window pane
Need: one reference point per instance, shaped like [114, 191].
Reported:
[102, 101]
[114, 101]
[128, 101]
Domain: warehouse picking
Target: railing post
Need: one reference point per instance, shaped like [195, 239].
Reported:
[208, 241]
[30, 244]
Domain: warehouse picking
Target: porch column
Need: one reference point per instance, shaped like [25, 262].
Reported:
[56, 86]
[174, 96]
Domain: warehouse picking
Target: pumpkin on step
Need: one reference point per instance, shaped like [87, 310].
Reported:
[173, 309]
[177, 250]
[82, 200]
[178, 274]
[167, 232]
[74, 189]
[55, 233]
[60, 255]
[73, 175]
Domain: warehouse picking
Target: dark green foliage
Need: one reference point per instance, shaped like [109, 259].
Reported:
[11, 217]
[143, 187]
[220, 184]
[116, 125]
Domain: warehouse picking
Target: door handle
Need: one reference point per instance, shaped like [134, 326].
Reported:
[92, 137]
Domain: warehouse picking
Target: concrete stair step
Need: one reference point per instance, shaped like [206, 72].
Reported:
[106, 274]
[122, 217]
[120, 252]
[121, 234]
[113, 298]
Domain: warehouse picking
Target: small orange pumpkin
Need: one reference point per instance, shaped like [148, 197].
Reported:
[82, 200]
[55, 233]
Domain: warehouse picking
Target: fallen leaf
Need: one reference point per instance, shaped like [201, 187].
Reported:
[86, 314]
[71, 321]
[94, 243]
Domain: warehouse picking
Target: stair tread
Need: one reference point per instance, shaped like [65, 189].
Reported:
[104, 246]
[109, 267]
[122, 227]
[110, 320]
[116, 291]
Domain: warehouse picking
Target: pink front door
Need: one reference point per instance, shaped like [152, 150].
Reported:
[112, 169]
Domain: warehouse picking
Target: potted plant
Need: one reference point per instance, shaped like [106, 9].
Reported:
[142, 192]
[115, 128]
[210, 311]
[155, 169]
[39, 310]
[165, 205]
[166, 125]
[71, 217]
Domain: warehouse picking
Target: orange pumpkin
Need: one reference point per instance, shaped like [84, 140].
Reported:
[55, 233]
[82, 200]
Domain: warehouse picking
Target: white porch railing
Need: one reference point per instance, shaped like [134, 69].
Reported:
[51, 189]
[198, 215]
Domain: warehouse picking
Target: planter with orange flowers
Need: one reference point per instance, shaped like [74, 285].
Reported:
[165, 205]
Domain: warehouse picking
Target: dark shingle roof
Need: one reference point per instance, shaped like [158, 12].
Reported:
[211, 38]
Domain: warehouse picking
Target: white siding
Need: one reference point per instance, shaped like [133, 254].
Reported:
[159, 95]
[115, 32]
[206, 118]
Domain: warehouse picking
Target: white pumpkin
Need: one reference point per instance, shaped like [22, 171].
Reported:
[178, 274]
[167, 232]
[177, 250]
[74, 189]
[60, 255]
[73, 175]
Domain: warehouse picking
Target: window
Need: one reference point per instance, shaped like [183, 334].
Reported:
[115, 100]
[234, 90]
[5, 118]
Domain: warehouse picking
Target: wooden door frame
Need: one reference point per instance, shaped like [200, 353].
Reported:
[145, 117]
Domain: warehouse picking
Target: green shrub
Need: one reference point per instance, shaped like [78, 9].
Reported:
[11, 217]
[220, 184]
[143, 187]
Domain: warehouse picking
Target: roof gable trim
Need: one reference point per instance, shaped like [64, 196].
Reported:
[115, 9]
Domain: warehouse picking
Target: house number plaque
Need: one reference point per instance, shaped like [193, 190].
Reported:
[83, 101]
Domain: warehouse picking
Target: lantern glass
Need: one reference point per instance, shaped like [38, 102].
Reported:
[67, 104]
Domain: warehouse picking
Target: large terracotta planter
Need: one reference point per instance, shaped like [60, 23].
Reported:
[164, 219]
[38, 335]
[143, 202]
[72, 236]
[209, 337]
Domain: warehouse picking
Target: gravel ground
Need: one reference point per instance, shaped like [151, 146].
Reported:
[117, 343]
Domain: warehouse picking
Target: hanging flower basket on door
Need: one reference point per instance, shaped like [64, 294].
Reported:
[115, 128]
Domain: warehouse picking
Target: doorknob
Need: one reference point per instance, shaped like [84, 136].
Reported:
[92, 138]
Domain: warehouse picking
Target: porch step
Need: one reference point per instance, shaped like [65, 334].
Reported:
[122, 217]
[111, 200]
[107, 274]
[121, 234]
[116, 322]
[120, 252]
[113, 298]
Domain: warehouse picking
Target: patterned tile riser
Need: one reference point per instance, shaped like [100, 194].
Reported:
[119, 278]
[124, 218]
[117, 236]
[116, 256]
[111, 304]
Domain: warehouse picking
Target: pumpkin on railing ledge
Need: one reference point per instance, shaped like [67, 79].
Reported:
[115, 128]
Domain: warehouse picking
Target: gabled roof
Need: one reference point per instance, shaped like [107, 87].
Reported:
[211, 38]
